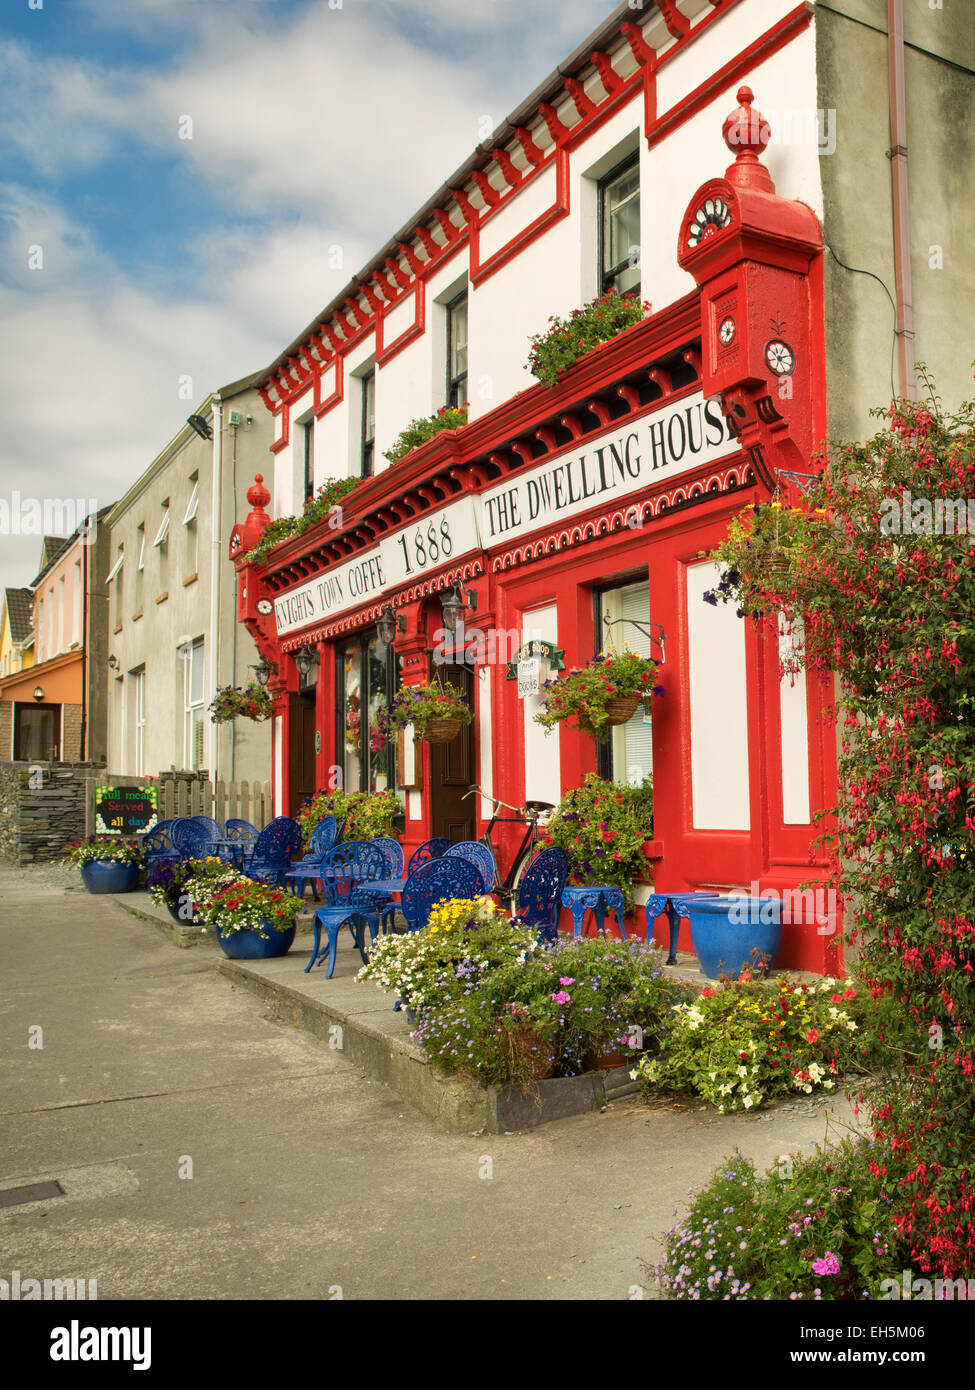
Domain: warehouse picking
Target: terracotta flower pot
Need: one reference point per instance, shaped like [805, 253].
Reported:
[442, 730]
[605, 1057]
[622, 708]
[539, 1053]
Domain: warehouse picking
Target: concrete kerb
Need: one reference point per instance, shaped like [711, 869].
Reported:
[374, 1038]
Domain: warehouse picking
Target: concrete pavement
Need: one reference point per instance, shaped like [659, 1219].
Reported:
[210, 1152]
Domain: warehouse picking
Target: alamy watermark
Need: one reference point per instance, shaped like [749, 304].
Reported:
[817, 904]
[22, 1289]
[908, 515]
[48, 516]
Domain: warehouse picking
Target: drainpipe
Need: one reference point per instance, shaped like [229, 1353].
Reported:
[216, 555]
[901, 209]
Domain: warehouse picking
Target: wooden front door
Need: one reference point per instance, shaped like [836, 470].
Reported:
[301, 725]
[37, 733]
[452, 770]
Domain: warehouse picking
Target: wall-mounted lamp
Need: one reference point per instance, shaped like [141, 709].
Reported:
[38, 692]
[388, 626]
[200, 425]
[455, 604]
[305, 659]
[264, 671]
[113, 663]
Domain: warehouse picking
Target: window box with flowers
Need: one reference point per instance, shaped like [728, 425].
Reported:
[436, 710]
[448, 417]
[602, 694]
[235, 702]
[324, 503]
[567, 340]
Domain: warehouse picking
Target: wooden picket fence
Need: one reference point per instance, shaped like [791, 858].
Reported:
[182, 795]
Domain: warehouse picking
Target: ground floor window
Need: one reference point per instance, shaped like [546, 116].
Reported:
[623, 620]
[193, 712]
[368, 673]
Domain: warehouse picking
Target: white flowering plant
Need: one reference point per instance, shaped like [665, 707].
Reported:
[464, 939]
[744, 1042]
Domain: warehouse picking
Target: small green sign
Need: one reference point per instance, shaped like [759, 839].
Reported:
[537, 651]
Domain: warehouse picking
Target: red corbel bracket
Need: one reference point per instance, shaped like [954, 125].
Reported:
[511, 173]
[610, 79]
[464, 203]
[573, 424]
[677, 24]
[446, 226]
[548, 439]
[663, 379]
[532, 153]
[584, 105]
[631, 395]
[412, 259]
[600, 410]
[429, 245]
[639, 47]
[487, 191]
[556, 129]
[399, 275]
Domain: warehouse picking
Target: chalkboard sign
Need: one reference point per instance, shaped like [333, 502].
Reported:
[124, 810]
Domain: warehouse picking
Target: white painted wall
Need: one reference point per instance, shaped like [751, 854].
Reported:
[718, 707]
[543, 779]
[795, 744]
[558, 271]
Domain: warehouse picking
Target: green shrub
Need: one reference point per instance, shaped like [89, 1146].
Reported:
[818, 1227]
[448, 417]
[602, 827]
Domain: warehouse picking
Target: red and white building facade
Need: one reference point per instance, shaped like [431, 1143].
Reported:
[580, 514]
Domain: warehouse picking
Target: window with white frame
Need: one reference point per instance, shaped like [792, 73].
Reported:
[189, 524]
[161, 546]
[137, 683]
[457, 350]
[191, 655]
[623, 620]
[76, 605]
[367, 452]
[308, 459]
[140, 544]
[619, 229]
[114, 578]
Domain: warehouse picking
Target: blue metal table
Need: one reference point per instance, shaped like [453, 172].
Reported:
[595, 898]
[675, 905]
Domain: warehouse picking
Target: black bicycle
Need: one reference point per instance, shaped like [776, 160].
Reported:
[529, 815]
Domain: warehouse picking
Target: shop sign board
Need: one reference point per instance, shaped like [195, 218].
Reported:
[125, 810]
[620, 463]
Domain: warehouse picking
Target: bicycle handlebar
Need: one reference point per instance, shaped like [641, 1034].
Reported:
[525, 812]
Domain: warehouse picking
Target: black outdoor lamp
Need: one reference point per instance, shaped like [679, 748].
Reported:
[263, 671]
[305, 659]
[455, 604]
[38, 692]
[388, 626]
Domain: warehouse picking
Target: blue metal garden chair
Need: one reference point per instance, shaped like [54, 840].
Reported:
[192, 840]
[480, 856]
[432, 883]
[393, 851]
[308, 868]
[430, 849]
[346, 872]
[270, 859]
[242, 831]
[210, 825]
[157, 844]
[540, 891]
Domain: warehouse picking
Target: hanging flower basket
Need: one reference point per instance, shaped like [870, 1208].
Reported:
[233, 702]
[604, 693]
[622, 708]
[442, 730]
[436, 710]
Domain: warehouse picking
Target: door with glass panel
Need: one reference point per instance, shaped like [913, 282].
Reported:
[367, 674]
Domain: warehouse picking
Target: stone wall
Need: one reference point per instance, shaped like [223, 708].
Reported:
[42, 809]
[6, 728]
[71, 734]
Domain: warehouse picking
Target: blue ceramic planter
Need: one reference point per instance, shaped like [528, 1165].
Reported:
[250, 945]
[109, 876]
[726, 931]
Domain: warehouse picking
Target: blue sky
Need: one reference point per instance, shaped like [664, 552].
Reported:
[314, 123]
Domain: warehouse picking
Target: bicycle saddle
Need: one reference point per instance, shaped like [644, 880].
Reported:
[539, 806]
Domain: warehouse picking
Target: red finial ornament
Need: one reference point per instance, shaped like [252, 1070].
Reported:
[746, 133]
[257, 494]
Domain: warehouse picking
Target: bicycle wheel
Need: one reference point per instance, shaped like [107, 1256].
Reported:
[521, 864]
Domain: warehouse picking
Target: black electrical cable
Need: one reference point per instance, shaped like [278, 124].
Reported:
[853, 270]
